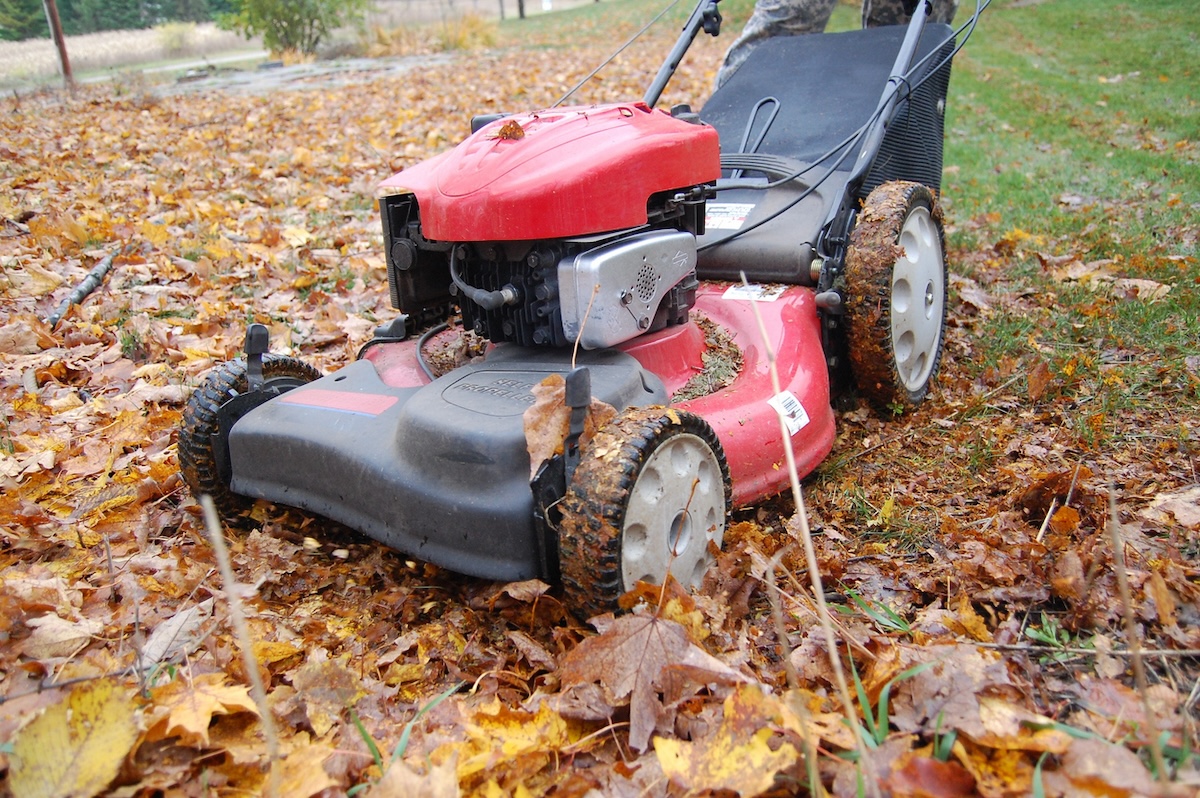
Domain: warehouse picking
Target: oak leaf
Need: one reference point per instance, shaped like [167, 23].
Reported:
[76, 747]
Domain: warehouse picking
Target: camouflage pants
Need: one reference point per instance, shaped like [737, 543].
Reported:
[792, 17]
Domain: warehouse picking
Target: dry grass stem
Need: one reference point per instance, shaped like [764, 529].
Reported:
[212, 525]
[1133, 635]
[814, 571]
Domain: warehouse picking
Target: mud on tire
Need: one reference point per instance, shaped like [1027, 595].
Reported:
[896, 294]
[651, 491]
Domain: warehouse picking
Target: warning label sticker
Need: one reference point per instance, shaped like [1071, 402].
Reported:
[726, 215]
[794, 416]
[754, 292]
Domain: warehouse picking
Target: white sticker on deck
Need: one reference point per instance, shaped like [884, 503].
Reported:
[754, 293]
[726, 215]
[790, 410]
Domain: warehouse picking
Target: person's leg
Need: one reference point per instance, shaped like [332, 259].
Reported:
[775, 18]
[891, 12]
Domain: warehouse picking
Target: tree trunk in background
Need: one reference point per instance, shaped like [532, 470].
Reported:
[521, 9]
[59, 42]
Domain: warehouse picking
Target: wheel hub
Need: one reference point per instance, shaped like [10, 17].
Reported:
[917, 325]
[680, 492]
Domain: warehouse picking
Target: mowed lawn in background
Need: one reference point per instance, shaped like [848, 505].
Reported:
[970, 548]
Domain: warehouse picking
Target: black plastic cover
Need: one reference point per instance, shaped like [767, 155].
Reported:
[439, 472]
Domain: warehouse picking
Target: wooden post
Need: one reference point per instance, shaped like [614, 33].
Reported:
[59, 42]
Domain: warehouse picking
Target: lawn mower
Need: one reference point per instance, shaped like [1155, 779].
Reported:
[645, 259]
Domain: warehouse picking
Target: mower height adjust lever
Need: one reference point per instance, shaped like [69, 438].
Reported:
[579, 399]
[258, 343]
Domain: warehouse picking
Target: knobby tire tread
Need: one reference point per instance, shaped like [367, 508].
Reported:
[595, 505]
[197, 460]
[872, 255]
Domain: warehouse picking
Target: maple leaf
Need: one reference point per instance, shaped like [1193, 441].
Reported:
[186, 708]
[76, 747]
[628, 662]
[327, 688]
[497, 735]
[301, 773]
[737, 756]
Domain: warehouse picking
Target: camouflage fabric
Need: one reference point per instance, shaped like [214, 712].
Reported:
[794, 17]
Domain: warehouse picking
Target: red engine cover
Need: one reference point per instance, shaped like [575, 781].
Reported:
[564, 172]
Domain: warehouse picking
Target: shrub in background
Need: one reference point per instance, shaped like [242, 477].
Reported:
[293, 25]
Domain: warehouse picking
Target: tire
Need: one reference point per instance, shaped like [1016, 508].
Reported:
[197, 456]
[651, 491]
[896, 295]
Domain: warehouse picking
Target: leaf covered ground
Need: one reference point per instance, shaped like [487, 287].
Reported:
[986, 557]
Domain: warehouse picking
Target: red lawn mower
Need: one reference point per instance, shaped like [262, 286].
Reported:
[625, 249]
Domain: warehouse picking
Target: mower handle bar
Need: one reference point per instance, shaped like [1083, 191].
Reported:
[705, 17]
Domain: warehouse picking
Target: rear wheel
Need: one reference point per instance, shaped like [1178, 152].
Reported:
[896, 294]
[200, 450]
[650, 493]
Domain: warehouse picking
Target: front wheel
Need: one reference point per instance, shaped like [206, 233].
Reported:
[201, 451]
[896, 294]
[650, 494]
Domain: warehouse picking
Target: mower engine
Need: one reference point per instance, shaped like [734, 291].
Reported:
[575, 224]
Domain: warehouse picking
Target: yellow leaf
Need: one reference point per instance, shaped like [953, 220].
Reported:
[886, 512]
[77, 746]
[302, 773]
[402, 781]
[737, 756]
[296, 236]
[156, 234]
[186, 709]
[500, 734]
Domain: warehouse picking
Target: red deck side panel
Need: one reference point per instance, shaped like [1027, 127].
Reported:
[557, 179]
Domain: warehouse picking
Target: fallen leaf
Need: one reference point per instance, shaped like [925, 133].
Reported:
[185, 709]
[548, 421]
[76, 747]
[1178, 507]
[176, 636]
[1039, 379]
[402, 781]
[57, 637]
[1097, 767]
[738, 755]
[628, 661]
[301, 773]
[511, 130]
[327, 688]
[916, 775]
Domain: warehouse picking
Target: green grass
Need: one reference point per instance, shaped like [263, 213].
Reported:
[1076, 120]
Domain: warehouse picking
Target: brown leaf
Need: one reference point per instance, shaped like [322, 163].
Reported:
[918, 776]
[548, 421]
[1097, 767]
[511, 130]
[628, 661]
[1040, 379]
